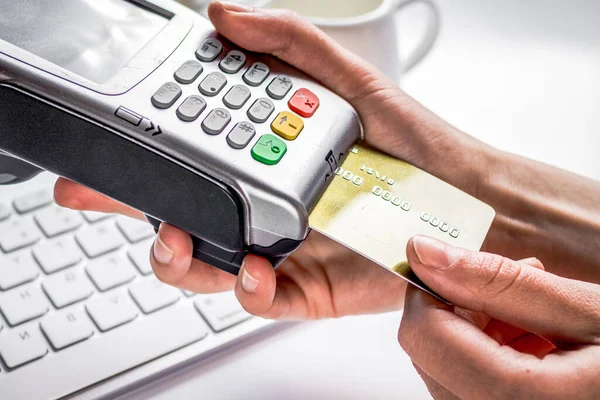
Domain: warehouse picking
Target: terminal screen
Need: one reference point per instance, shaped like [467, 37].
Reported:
[94, 39]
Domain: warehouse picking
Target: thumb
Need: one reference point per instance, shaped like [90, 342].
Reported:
[510, 291]
[294, 40]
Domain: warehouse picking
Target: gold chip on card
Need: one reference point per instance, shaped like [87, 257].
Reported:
[376, 203]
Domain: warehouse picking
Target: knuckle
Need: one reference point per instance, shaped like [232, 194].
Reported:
[289, 24]
[502, 274]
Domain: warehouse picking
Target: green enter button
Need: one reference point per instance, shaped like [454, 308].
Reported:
[269, 150]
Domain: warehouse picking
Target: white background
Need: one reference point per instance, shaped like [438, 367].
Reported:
[522, 75]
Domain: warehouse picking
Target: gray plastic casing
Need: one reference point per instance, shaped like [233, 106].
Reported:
[277, 199]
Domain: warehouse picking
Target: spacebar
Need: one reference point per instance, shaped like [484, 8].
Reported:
[103, 356]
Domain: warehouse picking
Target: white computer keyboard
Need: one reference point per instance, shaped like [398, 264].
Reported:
[79, 300]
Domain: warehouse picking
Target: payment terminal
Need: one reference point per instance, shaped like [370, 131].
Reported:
[145, 103]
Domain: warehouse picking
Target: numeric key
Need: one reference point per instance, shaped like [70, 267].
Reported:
[256, 74]
[232, 62]
[209, 50]
[188, 72]
[212, 84]
[166, 95]
[191, 108]
[216, 121]
[261, 110]
[237, 96]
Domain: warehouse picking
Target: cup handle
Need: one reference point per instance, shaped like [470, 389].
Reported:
[433, 27]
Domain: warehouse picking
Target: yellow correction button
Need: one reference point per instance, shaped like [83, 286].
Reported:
[287, 125]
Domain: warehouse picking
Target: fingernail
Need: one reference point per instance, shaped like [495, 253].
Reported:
[235, 7]
[249, 283]
[434, 253]
[162, 253]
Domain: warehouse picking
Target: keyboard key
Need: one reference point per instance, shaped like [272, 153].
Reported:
[67, 328]
[188, 72]
[212, 84]
[110, 271]
[221, 310]
[17, 234]
[232, 62]
[105, 355]
[191, 108]
[21, 346]
[5, 211]
[256, 74]
[67, 287]
[56, 220]
[94, 216]
[216, 121]
[152, 295]
[140, 256]
[261, 110]
[304, 103]
[166, 95]
[33, 201]
[241, 134]
[17, 269]
[23, 304]
[57, 254]
[100, 239]
[237, 96]
[111, 311]
[279, 87]
[210, 49]
[135, 230]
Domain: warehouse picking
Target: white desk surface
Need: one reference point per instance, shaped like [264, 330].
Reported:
[522, 75]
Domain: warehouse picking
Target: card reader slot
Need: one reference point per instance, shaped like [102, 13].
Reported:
[85, 152]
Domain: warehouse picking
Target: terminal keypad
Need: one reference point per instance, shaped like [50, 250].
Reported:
[287, 124]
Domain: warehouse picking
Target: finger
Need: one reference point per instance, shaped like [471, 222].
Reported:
[291, 38]
[77, 197]
[172, 263]
[510, 291]
[258, 292]
[455, 353]
[531, 343]
[500, 331]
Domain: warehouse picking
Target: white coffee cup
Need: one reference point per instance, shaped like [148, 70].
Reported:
[368, 28]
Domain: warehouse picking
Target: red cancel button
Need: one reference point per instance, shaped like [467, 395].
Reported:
[304, 103]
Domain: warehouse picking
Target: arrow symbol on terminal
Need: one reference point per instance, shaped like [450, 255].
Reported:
[154, 129]
[158, 131]
[283, 120]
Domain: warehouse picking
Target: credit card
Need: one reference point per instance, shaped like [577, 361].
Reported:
[376, 203]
